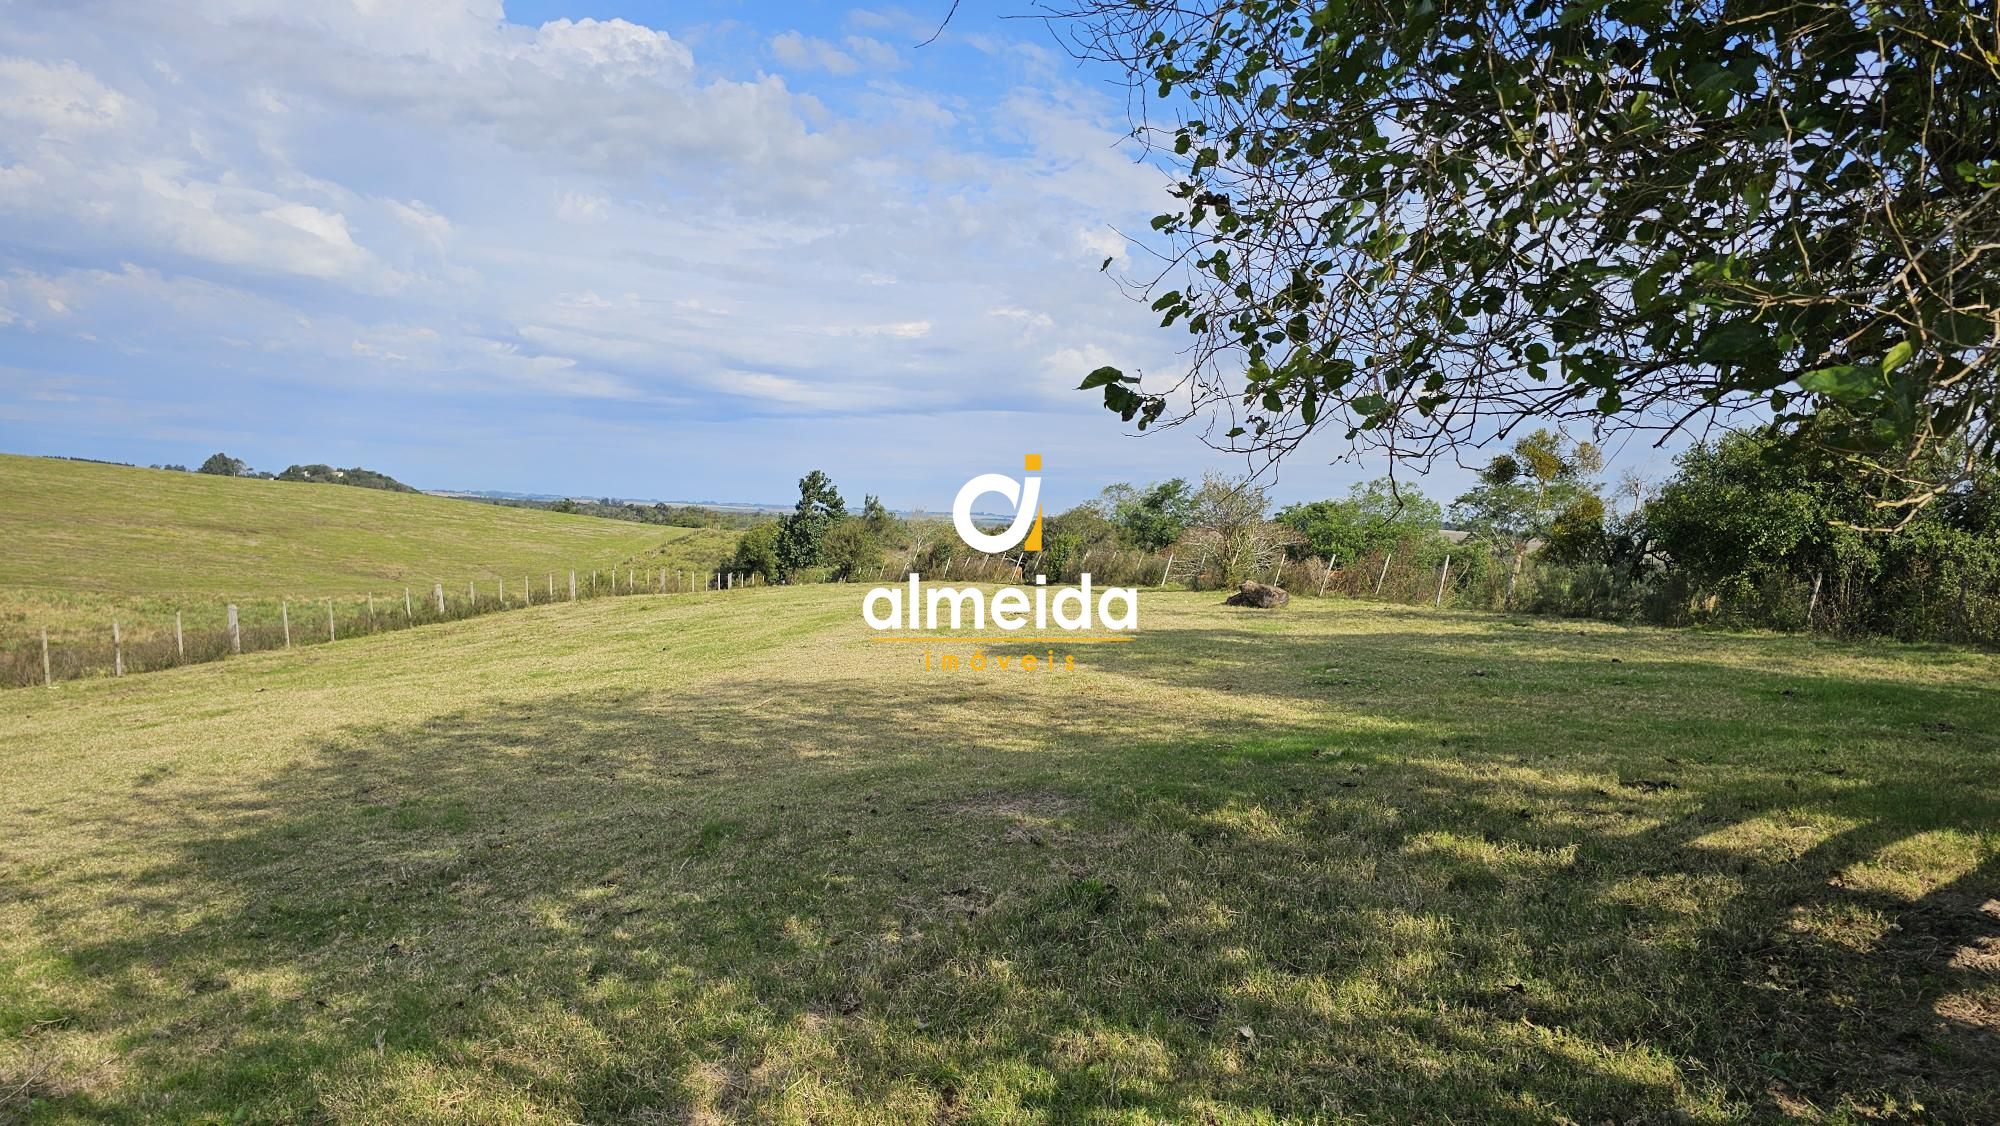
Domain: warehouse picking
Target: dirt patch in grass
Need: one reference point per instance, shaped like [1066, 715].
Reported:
[1016, 805]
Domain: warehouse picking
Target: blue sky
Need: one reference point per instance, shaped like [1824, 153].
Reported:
[686, 251]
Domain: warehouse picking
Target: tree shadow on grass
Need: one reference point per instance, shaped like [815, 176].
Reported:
[750, 902]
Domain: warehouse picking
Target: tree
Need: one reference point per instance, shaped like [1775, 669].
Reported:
[881, 524]
[850, 551]
[357, 477]
[1230, 531]
[222, 465]
[1545, 485]
[1070, 538]
[1374, 517]
[1423, 226]
[757, 551]
[1152, 518]
[1740, 507]
[802, 533]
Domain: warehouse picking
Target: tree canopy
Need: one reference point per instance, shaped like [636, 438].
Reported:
[802, 533]
[1425, 225]
[1152, 517]
[1374, 516]
[222, 465]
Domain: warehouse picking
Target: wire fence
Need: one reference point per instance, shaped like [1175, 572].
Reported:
[1955, 608]
[203, 630]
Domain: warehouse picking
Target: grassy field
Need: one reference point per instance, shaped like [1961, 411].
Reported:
[87, 543]
[720, 857]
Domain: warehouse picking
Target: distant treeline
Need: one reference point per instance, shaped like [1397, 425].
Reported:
[222, 465]
[667, 515]
[358, 477]
[1747, 532]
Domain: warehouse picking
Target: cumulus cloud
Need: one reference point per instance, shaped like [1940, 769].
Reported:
[429, 198]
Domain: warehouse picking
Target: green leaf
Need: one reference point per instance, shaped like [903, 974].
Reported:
[1897, 356]
[1732, 343]
[1843, 382]
[1101, 377]
[1370, 404]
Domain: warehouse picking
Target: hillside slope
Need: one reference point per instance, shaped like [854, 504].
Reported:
[84, 540]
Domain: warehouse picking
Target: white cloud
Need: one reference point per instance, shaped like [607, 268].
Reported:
[1022, 316]
[577, 213]
[581, 207]
[57, 101]
[873, 53]
[805, 52]
[900, 330]
[421, 218]
[611, 48]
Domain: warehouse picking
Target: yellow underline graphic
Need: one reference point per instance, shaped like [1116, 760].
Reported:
[1011, 640]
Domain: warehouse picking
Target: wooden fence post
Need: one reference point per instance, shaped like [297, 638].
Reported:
[1324, 576]
[552, 586]
[408, 615]
[572, 584]
[437, 592]
[1443, 573]
[285, 615]
[329, 620]
[593, 583]
[527, 592]
[117, 650]
[180, 643]
[371, 611]
[48, 678]
[1812, 607]
[1167, 571]
[472, 594]
[235, 632]
[1384, 574]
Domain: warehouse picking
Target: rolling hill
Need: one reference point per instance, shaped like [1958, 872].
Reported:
[86, 541]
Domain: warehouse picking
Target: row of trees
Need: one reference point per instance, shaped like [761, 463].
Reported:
[1748, 531]
[819, 540]
[222, 465]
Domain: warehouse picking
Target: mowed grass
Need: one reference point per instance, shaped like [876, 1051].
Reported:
[721, 857]
[87, 542]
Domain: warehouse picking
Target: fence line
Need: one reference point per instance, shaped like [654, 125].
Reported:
[204, 631]
[1957, 610]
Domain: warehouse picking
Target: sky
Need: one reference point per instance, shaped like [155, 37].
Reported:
[683, 251]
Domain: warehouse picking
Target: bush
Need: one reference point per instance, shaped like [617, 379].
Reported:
[850, 552]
